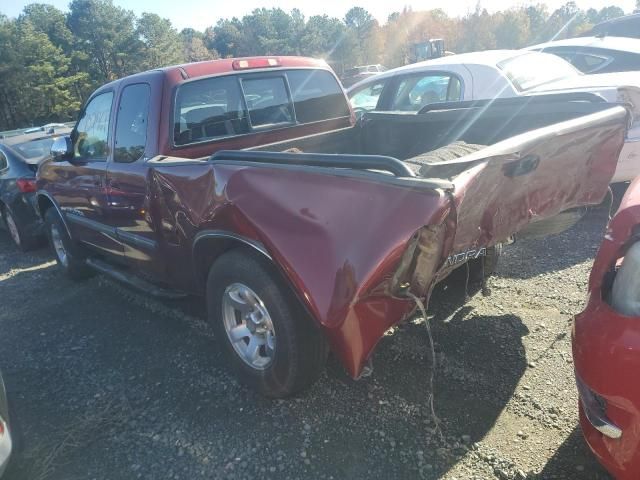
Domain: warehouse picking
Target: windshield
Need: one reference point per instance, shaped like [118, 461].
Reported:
[35, 150]
[531, 70]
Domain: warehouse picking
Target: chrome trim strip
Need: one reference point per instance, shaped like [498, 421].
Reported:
[136, 240]
[127, 237]
[223, 234]
[92, 224]
[601, 423]
[594, 410]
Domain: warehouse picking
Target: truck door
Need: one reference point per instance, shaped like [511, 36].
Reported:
[81, 188]
[127, 177]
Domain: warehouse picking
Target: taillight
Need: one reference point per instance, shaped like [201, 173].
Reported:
[255, 63]
[26, 185]
[1, 427]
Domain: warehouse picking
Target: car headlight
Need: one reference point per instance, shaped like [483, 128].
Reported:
[625, 293]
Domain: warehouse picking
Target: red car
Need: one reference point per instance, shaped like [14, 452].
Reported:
[606, 345]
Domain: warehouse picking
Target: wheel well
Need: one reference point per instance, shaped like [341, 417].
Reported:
[208, 250]
[44, 204]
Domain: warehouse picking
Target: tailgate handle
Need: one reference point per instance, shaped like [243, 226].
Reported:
[522, 166]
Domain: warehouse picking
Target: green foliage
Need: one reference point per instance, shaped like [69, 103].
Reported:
[161, 43]
[50, 61]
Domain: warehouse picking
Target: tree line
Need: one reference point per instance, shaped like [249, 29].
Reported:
[51, 60]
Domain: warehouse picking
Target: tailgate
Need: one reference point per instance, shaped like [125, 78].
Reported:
[534, 176]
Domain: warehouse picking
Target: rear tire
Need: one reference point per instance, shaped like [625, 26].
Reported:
[67, 254]
[277, 349]
[20, 239]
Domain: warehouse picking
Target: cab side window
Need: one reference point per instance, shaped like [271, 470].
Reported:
[91, 136]
[366, 98]
[131, 123]
[417, 91]
[3, 162]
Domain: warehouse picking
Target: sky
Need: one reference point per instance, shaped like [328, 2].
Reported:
[200, 14]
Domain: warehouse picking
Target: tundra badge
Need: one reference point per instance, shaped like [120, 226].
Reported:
[464, 256]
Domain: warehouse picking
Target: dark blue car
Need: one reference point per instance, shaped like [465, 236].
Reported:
[19, 159]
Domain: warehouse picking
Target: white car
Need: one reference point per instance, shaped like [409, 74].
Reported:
[500, 74]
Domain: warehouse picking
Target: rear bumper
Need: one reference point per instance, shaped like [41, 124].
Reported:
[606, 351]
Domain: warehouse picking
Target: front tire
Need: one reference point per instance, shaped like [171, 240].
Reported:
[68, 256]
[267, 336]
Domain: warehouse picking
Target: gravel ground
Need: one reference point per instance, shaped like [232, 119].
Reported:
[109, 384]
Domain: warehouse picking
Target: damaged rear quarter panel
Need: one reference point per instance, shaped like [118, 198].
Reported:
[337, 239]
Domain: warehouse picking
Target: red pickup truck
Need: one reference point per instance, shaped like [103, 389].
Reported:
[248, 181]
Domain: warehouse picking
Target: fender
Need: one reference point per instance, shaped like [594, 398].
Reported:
[45, 194]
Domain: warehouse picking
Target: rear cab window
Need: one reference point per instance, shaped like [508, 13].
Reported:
[221, 107]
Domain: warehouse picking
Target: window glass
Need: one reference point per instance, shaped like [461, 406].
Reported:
[35, 150]
[3, 161]
[316, 96]
[131, 123]
[267, 100]
[416, 91]
[531, 70]
[90, 140]
[366, 98]
[209, 109]
[589, 63]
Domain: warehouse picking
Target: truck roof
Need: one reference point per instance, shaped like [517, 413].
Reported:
[230, 65]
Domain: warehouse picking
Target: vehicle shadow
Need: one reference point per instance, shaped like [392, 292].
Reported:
[574, 456]
[479, 362]
[531, 257]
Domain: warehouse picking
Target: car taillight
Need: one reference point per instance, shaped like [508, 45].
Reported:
[1, 427]
[255, 63]
[625, 293]
[26, 185]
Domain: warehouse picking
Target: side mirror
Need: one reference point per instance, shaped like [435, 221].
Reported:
[62, 149]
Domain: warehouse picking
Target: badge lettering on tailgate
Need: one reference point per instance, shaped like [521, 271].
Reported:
[465, 256]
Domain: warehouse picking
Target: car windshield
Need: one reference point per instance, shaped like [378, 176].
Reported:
[532, 70]
[35, 150]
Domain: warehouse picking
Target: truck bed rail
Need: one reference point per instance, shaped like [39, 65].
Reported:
[357, 162]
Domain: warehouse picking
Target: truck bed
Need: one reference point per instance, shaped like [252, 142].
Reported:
[357, 219]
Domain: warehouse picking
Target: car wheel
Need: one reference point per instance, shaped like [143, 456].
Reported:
[16, 232]
[267, 336]
[68, 256]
